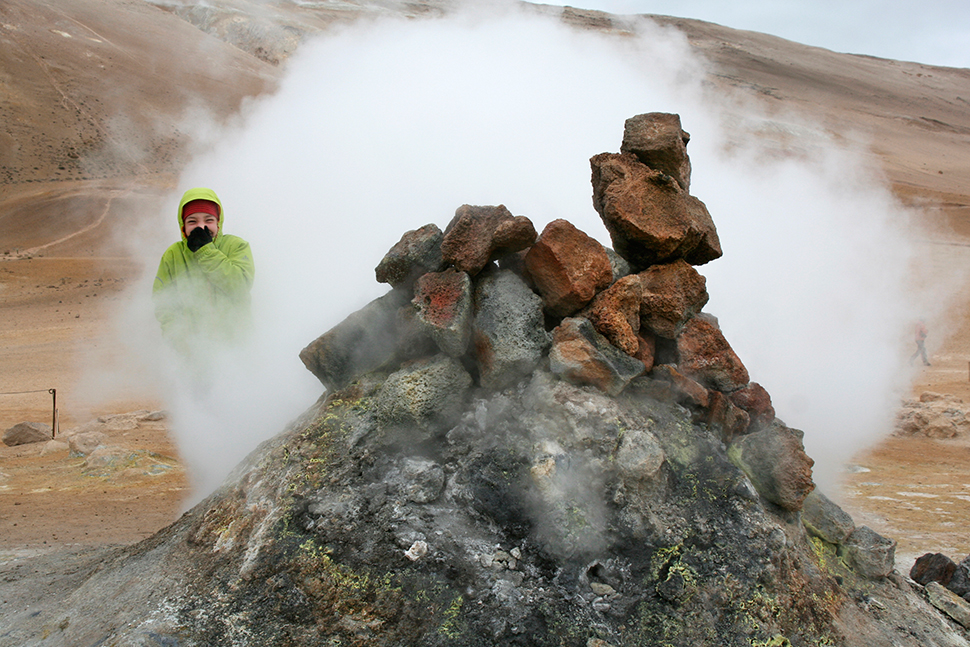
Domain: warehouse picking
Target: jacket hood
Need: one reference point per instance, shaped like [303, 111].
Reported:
[200, 194]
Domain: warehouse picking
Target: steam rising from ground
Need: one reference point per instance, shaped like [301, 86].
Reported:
[389, 125]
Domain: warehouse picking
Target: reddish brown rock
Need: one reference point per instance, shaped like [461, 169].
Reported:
[615, 313]
[658, 140]
[479, 234]
[647, 348]
[513, 236]
[672, 293]
[683, 390]
[443, 301]
[567, 268]
[933, 567]
[775, 461]
[650, 218]
[731, 419]
[706, 356]
[418, 252]
[757, 402]
[582, 356]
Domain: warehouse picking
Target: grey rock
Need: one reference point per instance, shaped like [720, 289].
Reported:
[869, 553]
[367, 340]
[949, 603]
[423, 480]
[619, 265]
[775, 461]
[25, 433]
[508, 332]
[425, 397]
[86, 442]
[418, 252]
[639, 456]
[825, 519]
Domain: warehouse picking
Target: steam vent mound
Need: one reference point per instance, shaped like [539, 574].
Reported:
[529, 440]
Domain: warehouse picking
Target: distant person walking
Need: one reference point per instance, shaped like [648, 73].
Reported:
[921, 335]
[201, 290]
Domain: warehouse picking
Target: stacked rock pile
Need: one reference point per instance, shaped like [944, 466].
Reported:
[488, 300]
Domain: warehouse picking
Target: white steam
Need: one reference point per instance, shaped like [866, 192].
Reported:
[389, 125]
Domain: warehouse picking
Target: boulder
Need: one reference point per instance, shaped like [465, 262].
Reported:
[705, 355]
[825, 519]
[723, 414]
[582, 356]
[418, 252]
[754, 399]
[659, 142]
[615, 313]
[423, 480]
[54, 447]
[24, 433]
[369, 339]
[775, 461]
[960, 582]
[425, 397]
[649, 217]
[869, 553]
[85, 442]
[639, 456]
[681, 389]
[672, 293]
[479, 234]
[567, 268]
[933, 567]
[443, 304]
[508, 331]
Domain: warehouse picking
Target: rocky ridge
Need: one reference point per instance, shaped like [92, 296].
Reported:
[530, 440]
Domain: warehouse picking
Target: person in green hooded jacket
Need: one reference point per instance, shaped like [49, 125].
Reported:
[201, 290]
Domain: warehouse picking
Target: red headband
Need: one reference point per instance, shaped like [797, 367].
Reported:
[200, 206]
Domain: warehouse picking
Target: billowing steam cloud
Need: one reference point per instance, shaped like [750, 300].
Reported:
[389, 125]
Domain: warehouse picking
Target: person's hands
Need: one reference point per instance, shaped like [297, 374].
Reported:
[197, 238]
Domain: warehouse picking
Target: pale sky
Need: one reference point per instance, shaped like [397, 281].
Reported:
[935, 32]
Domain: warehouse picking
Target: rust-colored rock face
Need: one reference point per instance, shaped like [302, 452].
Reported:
[706, 356]
[615, 313]
[757, 402]
[443, 301]
[671, 293]
[478, 234]
[683, 389]
[650, 218]
[582, 356]
[567, 267]
[646, 348]
[658, 141]
[722, 413]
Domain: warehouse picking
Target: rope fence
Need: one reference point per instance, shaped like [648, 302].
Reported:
[53, 392]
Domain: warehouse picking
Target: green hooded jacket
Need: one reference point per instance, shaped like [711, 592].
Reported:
[203, 296]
